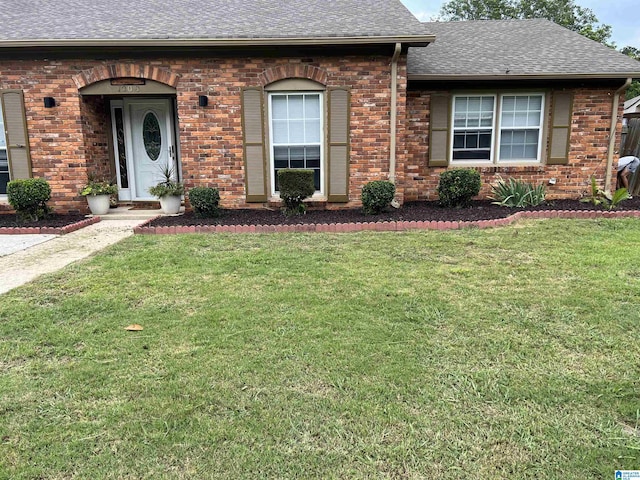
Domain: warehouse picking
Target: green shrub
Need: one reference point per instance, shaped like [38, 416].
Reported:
[619, 196]
[458, 186]
[204, 201]
[95, 187]
[295, 185]
[514, 193]
[168, 187]
[605, 199]
[377, 196]
[29, 197]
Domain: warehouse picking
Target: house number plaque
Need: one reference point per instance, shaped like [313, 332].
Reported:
[128, 85]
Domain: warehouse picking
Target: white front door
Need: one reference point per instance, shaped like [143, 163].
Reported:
[149, 132]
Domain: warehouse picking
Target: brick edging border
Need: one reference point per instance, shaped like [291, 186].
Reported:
[400, 226]
[49, 230]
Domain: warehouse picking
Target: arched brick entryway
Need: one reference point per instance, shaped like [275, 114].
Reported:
[125, 70]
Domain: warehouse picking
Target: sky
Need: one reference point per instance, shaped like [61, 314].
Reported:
[622, 15]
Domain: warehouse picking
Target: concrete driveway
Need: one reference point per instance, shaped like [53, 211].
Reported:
[24, 259]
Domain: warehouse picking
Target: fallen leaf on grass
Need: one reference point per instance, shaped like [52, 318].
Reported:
[134, 328]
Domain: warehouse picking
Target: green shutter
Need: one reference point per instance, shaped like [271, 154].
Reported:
[560, 131]
[338, 154]
[439, 131]
[253, 137]
[15, 125]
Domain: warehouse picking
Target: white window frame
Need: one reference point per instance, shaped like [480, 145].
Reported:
[321, 142]
[540, 128]
[455, 129]
[497, 128]
[3, 196]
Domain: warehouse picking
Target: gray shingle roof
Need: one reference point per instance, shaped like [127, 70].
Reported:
[203, 19]
[533, 47]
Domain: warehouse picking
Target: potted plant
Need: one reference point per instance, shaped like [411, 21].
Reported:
[98, 195]
[169, 191]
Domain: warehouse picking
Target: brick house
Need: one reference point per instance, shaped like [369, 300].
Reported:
[227, 93]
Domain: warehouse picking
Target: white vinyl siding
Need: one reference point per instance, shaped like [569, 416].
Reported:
[296, 134]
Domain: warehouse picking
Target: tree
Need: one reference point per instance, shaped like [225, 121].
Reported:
[634, 89]
[562, 12]
[633, 52]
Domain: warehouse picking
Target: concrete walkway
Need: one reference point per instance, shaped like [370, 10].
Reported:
[14, 243]
[53, 254]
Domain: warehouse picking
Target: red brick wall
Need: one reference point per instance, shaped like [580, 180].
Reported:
[96, 134]
[70, 140]
[587, 156]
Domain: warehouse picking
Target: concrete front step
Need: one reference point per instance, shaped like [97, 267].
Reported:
[127, 213]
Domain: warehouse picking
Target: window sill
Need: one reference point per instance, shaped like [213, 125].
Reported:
[316, 197]
[496, 166]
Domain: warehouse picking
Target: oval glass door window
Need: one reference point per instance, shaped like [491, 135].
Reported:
[151, 135]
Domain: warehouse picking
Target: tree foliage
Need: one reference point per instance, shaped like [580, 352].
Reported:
[562, 12]
[634, 89]
[633, 52]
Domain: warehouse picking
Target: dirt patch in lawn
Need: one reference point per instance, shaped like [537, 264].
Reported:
[56, 221]
[413, 211]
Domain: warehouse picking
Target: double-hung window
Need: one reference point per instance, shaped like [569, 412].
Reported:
[520, 127]
[473, 127]
[505, 128]
[4, 162]
[296, 134]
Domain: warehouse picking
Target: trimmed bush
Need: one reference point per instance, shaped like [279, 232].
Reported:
[295, 185]
[377, 196]
[458, 186]
[204, 201]
[29, 197]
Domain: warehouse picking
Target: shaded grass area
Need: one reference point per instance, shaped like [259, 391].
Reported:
[506, 353]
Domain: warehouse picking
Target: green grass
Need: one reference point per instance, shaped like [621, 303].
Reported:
[504, 353]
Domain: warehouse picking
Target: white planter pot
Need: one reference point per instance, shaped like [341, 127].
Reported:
[98, 204]
[170, 204]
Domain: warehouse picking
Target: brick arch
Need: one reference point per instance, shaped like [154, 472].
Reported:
[127, 70]
[282, 72]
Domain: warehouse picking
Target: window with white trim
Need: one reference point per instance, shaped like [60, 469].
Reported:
[473, 128]
[295, 134]
[4, 162]
[517, 119]
[520, 127]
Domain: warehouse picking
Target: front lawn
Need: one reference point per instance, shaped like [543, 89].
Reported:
[502, 353]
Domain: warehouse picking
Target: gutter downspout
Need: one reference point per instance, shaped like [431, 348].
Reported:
[612, 134]
[394, 113]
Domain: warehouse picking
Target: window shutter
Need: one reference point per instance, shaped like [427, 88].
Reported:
[253, 137]
[338, 155]
[439, 131]
[562, 108]
[15, 124]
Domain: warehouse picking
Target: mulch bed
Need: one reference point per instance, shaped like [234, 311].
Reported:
[53, 224]
[413, 211]
[12, 220]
